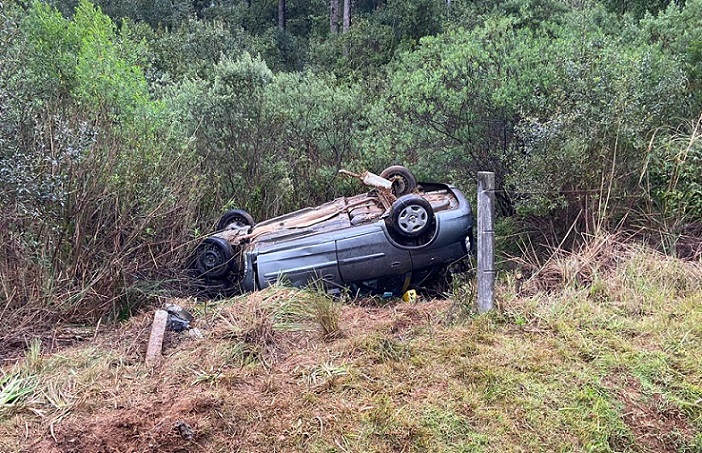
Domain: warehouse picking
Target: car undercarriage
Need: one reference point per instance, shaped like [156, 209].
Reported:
[377, 242]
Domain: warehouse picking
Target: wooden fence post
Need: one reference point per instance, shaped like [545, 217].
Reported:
[486, 241]
[158, 329]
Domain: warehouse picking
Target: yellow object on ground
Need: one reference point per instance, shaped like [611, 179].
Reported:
[410, 296]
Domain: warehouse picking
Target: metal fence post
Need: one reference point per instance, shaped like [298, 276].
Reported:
[486, 241]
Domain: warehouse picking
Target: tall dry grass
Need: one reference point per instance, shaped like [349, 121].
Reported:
[111, 238]
[609, 259]
[672, 179]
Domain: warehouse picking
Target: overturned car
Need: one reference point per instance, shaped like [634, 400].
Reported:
[381, 242]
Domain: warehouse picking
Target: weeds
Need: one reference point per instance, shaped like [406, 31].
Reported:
[606, 365]
[255, 324]
[463, 294]
[14, 389]
[325, 312]
[326, 374]
[21, 383]
[381, 348]
[207, 377]
[80, 233]
[33, 359]
[252, 333]
[671, 178]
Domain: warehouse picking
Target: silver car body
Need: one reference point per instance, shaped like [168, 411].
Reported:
[347, 242]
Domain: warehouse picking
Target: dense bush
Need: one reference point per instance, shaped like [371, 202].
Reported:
[268, 143]
[456, 100]
[607, 98]
[673, 177]
[678, 32]
[563, 114]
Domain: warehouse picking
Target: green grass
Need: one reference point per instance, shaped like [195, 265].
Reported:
[613, 366]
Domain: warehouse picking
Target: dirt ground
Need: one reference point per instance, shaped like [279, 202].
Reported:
[250, 406]
[290, 392]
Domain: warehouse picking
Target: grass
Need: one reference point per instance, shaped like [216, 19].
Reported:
[13, 389]
[611, 362]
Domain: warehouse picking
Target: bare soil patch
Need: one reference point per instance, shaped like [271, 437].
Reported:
[277, 407]
[657, 425]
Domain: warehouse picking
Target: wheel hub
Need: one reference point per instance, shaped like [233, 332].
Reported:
[238, 222]
[398, 184]
[413, 218]
[212, 258]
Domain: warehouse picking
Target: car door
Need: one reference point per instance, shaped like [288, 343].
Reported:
[299, 262]
[367, 254]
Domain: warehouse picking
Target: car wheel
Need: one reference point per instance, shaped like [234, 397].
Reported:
[403, 181]
[239, 217]
[412, 216]
[213, 258]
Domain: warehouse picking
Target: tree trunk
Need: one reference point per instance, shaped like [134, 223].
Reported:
[347, 15]
[281, 15]
[334, 16]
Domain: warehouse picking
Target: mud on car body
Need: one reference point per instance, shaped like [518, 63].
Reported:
[382, 241]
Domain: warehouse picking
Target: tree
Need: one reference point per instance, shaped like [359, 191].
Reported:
[281, 15]
[334, 16]
[347, 15]
[91, 168]
[638, 8]
[552, 111]
[678, 30]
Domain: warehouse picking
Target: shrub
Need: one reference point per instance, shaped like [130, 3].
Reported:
[269, 143]
[95, 188]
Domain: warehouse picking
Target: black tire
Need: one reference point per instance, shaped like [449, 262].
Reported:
[238, 216]
[403, 181]
[412, 216]
[213, 258]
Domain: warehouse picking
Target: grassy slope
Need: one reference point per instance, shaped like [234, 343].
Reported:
[613, 363]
